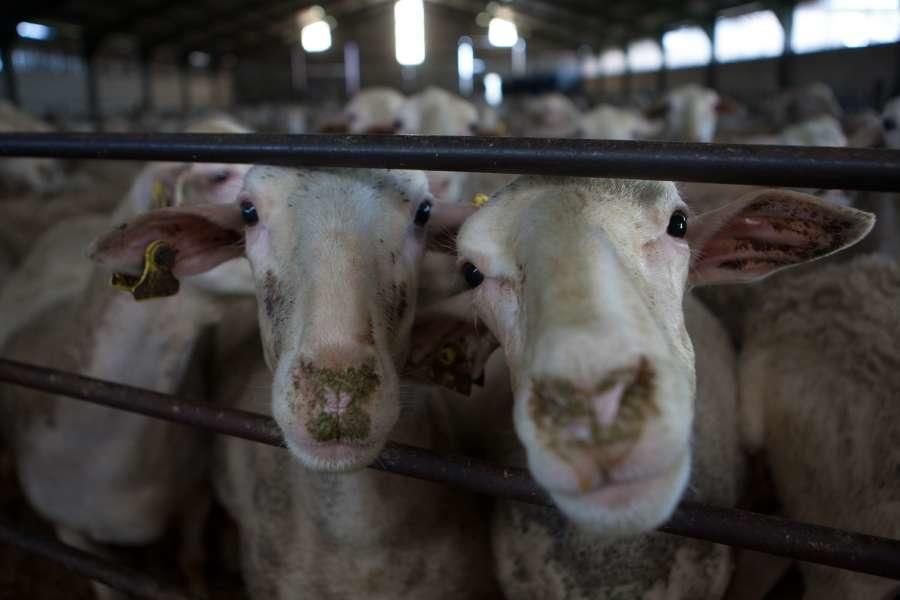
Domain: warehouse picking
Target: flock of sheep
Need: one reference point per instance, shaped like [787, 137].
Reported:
[552, 327]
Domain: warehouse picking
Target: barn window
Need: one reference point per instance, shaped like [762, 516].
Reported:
[644, 56]
[612, 62]
[687, 47]
[744, 37]
[825, 24]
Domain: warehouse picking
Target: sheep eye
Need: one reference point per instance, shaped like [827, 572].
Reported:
[472, 275]
[248, 213]
[889, 124]
[677, 224]
[423, 213]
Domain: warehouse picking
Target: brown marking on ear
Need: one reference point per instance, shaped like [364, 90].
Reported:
[776, 231]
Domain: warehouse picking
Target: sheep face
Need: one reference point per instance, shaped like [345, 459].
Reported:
[335, 258]
[581, 282]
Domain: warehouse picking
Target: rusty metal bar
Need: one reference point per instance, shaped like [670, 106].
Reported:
[113, 574]
[764, 533]
[822, 168]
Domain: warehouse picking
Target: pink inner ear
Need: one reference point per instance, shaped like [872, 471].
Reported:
[199, 243]
[756, 245]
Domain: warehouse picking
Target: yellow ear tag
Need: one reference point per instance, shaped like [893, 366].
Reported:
[480, 200]
[157, 280]
[159, 198]
[447, 356]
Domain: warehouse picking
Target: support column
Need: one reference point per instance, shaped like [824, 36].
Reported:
[627, 83]
[712, 69]
[785, 62]
[146, 59]
[895, 87]
[9, 72]
[662, 77]
[184, 82]
[89, 47]
[7, 40]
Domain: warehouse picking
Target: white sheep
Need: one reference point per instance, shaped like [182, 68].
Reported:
[42, 176]
[689, 113]
[608, 122]
[336, 286]
[582, 282]
[372, 110]
[819, 381]
[438, 112]
[78, 462]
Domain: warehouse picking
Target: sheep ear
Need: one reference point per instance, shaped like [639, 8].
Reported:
[765, 231]
[201, 237]
[449, 345]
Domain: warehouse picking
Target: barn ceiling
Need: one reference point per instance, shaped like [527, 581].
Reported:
[235, 26]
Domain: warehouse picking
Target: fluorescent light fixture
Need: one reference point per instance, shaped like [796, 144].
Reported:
[687, 47]
[465, 65]
[409, 32]
[34, 31]
[502, 33]
[316, 37]
[493, 89]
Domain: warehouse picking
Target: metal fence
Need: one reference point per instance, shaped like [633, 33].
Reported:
[823, 168]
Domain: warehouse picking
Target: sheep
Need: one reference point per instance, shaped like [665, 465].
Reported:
[27, 218]
[819, 380]
[823, 130]
[548, 115]
[582, 283]
[77, 462]
[885, 237]
[335, 256]
[804, 103]
[689, 113]
[612, 123]
[372, 110]
[438, 112]
[42, 176]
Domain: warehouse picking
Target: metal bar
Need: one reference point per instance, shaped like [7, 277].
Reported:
[764, 533]
[118, 576]
[822, 168]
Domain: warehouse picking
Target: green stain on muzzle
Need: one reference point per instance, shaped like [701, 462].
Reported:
[359, 383]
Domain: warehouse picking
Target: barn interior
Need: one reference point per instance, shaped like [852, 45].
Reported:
[812, 83]
[93, 61]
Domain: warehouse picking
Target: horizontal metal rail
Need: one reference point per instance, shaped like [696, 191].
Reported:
[764, 533]
[116, 575]
[796, 166]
